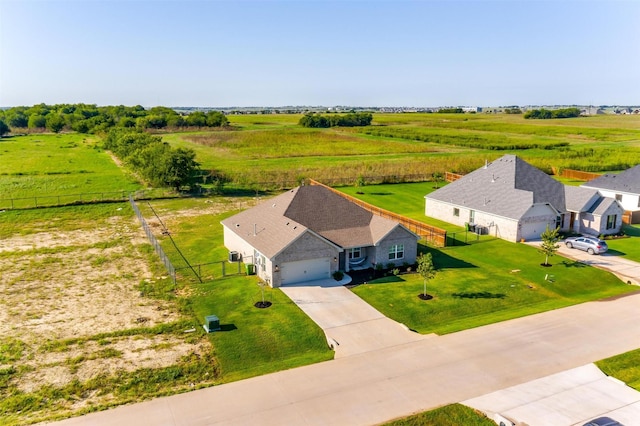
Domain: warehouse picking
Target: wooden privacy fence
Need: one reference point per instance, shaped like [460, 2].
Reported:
[576, 174]
[434, 235]
[451, 177]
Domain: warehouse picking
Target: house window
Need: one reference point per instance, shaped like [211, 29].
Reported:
[396, 252]
[611, 221]
[472, 216]
[456, 212]
[355, 253]
[260, 260]
[619, 197]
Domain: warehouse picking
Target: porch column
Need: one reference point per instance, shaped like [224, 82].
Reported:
[346, 260]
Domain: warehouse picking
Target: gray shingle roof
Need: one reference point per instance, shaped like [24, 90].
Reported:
[579, 199]
[281, 220]
[601, 205]
[626, 181]
[507, 187]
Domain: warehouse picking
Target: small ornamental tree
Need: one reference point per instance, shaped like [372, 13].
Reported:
[426, 271]
[549, 244]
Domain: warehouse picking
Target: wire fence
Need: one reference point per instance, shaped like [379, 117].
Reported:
[83, 198]
[199, 273]
[152, 239]
[210, 271]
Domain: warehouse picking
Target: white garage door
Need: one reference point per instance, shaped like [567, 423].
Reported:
[532, 231]
[305, 270]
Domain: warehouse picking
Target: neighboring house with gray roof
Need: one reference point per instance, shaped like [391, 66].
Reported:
[624, 187]
[513, 200]
[309, 232]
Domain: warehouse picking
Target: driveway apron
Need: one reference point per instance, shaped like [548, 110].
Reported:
[351, 325]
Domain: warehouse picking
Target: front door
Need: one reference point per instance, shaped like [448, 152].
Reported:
[573, 219]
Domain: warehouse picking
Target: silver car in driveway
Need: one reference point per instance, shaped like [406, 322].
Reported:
[591, 245]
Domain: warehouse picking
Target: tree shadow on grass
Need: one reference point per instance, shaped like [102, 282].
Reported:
[574, 264]
[443, 260]
[381, 193]
[632, 231]
[479, 295]
[387, 280]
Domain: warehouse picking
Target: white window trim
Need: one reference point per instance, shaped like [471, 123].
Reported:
[394, 250]
[352, 252]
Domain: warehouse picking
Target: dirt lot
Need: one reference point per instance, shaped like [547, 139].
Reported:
[60, 289]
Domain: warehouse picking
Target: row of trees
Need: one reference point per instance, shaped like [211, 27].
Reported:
[84, 118]
[543, 114]
[451, 111]
[154, 160]
[352, 119]
[514, 110]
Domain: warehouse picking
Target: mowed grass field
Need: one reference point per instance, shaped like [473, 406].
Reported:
[47, 164]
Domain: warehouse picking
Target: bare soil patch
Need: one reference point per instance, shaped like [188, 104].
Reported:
[61, 289]
[77, 291]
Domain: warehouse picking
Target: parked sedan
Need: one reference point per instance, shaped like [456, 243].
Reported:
[591, 245]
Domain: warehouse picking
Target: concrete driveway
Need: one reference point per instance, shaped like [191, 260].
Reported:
[571, 397]
[625, 269]
[351, 325]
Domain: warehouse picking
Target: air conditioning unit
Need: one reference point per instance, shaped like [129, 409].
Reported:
[211, 323]
[234, 256]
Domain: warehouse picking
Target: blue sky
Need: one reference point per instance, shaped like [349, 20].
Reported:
[357, 53]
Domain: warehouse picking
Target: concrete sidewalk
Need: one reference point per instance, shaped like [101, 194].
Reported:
[376, 386]
[351, 325]
[569, 398]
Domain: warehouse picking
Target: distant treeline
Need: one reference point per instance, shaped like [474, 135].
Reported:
[556, 113]
[84, 118]
[154, 160]
[450, 111]
[514, 110]
[353, 119]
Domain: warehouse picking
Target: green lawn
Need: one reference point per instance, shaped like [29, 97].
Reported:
[45, 164]
[625, 367]
[253, 341]
[449, 415]
[256, 341]
[485, 282]
[403, 198]
[627, 247]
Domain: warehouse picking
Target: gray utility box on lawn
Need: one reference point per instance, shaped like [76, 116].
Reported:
[211, 323]
[233, 256]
